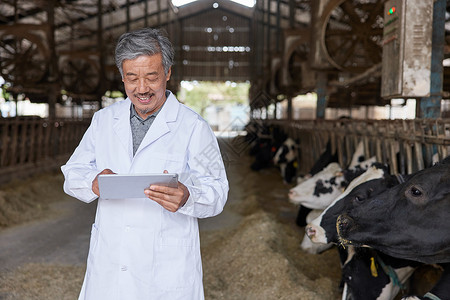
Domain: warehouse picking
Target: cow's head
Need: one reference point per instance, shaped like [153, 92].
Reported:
[410, 220]
[319, 190]
[375, 180]
[286, 153]
[286, 159]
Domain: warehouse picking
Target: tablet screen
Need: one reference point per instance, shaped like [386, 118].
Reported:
[117, 186]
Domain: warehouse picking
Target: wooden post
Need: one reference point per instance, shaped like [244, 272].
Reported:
[31, 147]
[4, 126]
[14, 142]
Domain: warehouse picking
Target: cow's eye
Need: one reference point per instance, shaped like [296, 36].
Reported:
[358, 199]
[416, 195]
[416, 192]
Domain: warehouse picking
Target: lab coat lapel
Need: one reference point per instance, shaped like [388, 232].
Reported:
[122, 127]
[160, 125]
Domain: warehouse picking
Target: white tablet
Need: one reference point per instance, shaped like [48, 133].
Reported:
[115, 186]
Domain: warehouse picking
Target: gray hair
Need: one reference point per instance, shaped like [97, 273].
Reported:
[145, 41]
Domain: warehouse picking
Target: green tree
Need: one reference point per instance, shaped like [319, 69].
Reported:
[200, 95]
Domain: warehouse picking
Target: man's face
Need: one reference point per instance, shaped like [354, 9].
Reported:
[145, 83]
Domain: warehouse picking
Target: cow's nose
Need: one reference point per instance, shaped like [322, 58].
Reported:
[310, 231]
[343, 224]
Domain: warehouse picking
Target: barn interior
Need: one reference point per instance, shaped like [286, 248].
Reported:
[353, 55]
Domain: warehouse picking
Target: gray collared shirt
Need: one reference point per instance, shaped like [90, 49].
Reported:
[139, 127]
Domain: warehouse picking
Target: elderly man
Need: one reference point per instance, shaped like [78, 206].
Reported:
[147, 248]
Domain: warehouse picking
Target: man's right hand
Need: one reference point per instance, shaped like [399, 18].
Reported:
[95, 188]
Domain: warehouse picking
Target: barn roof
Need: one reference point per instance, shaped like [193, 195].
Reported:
[277, 45]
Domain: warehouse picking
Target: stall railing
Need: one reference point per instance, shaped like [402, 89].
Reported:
[29, 145]
[405, 145]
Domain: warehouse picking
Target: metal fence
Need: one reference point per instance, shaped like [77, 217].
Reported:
[29, 145]
[405, 145]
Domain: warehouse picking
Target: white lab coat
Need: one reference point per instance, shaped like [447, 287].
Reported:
[139, 250]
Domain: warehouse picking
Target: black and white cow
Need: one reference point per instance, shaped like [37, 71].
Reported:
[307, 245]
[308, 193]
[410, 220]
[371, 275]
[373, 172]
[304, 193]
[372, 182]
[321, 189]
[327, 157]
[318, 191]
[286, 158]
[361, 264]
[264, 141]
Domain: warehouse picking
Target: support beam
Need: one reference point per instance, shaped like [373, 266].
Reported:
[16, 14]
[279, 33]
[53, 91]
[289, 109]
[321, 95]
[430, 107]
[292, 8]
[158, 5]
[146, 13]
[268, 27]
[128, 21]
[102, 77]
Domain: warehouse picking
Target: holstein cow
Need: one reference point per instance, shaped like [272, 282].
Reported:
[367, 274]
[308, 193]
[324, 160]
[320, 198]
[372, 182]
[321, 189]
[409, 221]
[307, 245]
[318, 191]
[371, 275]
[286, 159]
[263, 141]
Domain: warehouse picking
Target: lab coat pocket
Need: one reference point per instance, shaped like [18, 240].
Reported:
[176, 267]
